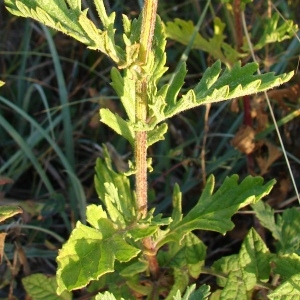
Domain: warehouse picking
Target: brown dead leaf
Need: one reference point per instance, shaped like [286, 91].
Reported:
[234, 106]
[265, 161]
[291, 93]
[2, 239]
[5, 180]
[280, 192]
[244, 140]
[22, 258]
[103, 103]
[120, 161]
[94, 122]
[260, 118]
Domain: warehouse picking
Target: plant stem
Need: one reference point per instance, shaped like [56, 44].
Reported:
[147, 32]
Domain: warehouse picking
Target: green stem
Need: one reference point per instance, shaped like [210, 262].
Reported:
[147, 32]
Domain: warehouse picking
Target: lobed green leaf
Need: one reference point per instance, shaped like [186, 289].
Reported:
[202, 293]
[8, 211]
[213, 211]
[118, 124]
[125, 88]
[234, 288]
[289, 224]
[135, 268]
[106, 296]
[157, 134]
[265, 215]
[66, 16]
[115, 192]
[254, 260]
[214, 87]
[273, 32]
[284, 229]
[181, 31]
[181, 281]
[246, 269]
[76, 260]
[41, 287]
[289, 290]
[287, 265]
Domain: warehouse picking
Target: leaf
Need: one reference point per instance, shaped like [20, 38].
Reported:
[265, 215]
[125, 85]
[236, 82]
[157, 134]
[213, 211]
[136, 268]
[287, 265]
[289, 290]
[147, 226]
[201, 293]
[181, 31]
[265, 161]
[74, 4]
[8, 211]
[181, 281]
[273, 32]
[106, 296]
[1, 83]
[76, 260]
[125, 88]
[289, 223]
[234, 289]
[227, 265]
[284, 230]
[177, 205]
[195, 253]
[106, 21]
[246, 269]
[176, 84]
[214, 87]
[115, 192]
[254, 260]
[67, 17]
[131, 37]
[156, 61]
[41, 287]
[119, 125]
[244, 139]
[189, 255]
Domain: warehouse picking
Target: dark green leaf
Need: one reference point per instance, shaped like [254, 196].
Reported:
[213, 211]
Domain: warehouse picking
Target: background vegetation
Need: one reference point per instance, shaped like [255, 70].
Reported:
[51, 136]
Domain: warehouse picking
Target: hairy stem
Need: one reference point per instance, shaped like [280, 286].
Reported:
[147, 32]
